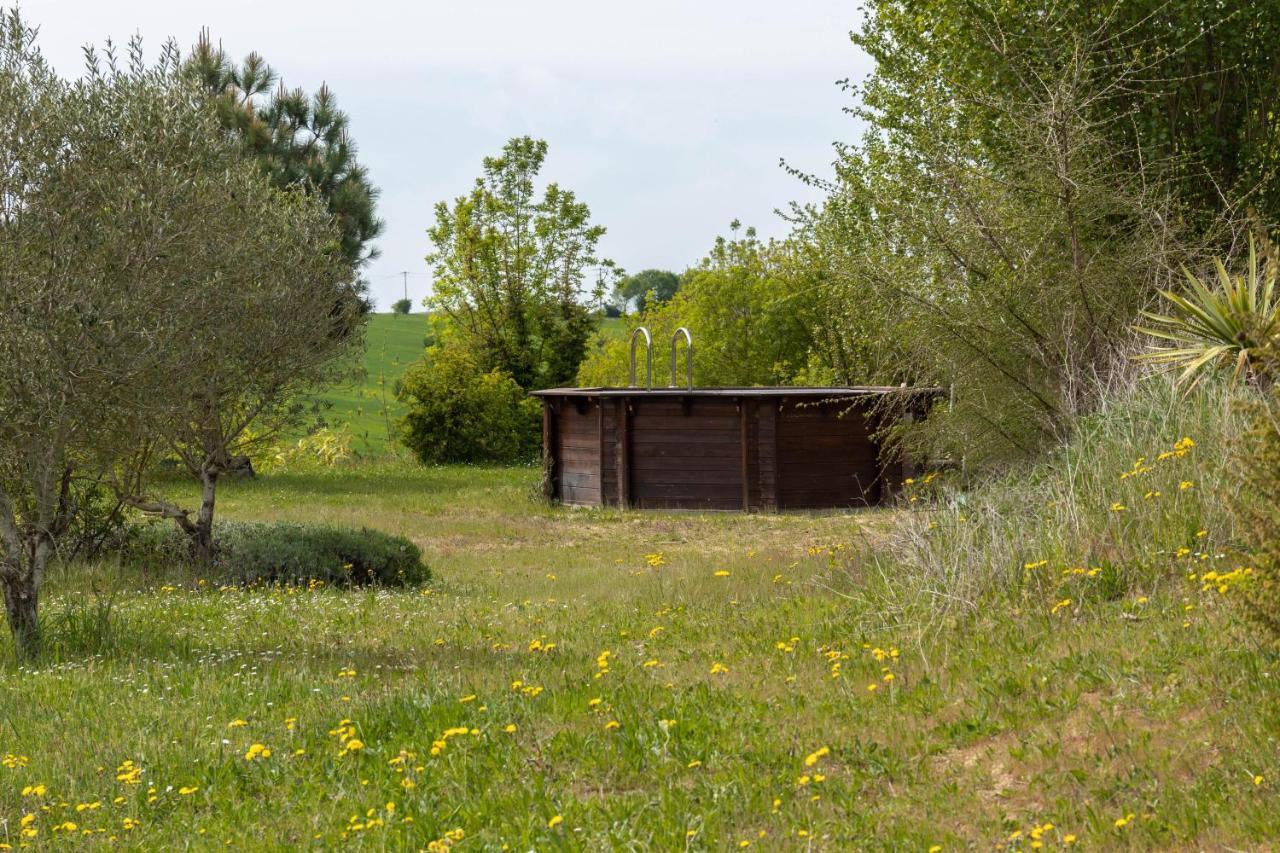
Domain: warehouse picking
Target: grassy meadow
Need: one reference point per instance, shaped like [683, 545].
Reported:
[595, 679]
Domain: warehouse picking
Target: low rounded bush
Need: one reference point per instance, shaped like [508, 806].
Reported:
[459, 413]
[278, 552]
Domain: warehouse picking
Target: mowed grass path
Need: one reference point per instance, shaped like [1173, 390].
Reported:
[602, 680]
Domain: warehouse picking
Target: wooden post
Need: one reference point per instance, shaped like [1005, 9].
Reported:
[551, 485]
[742, 443]
[622, 453]
[767, 454]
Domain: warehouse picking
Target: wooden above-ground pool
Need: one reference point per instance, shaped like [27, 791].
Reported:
[747, 449]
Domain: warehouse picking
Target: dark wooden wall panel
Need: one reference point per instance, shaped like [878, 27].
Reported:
[825, 458]
[686, 454]
[714, 452]
[609, 453]
[579, 453]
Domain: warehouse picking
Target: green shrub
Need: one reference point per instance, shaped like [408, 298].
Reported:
[279, 552]
[458, 413]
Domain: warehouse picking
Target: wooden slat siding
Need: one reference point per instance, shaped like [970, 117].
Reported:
[825, 459]
[608, 461]
[686, 455]
[550, 462]
[726, 420]
[767, 454]
[579, 449]
[745, 473]
[702, 463]
[686, 439]
[753, 455]
[609, 453]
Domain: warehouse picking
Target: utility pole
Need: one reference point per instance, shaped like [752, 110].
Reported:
[405, 275]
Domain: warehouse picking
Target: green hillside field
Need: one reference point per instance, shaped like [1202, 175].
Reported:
[367, 404]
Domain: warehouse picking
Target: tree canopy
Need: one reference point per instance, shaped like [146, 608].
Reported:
[646, 288]
[751, 306]
[513, 270]
[122, 312]
[299, 139]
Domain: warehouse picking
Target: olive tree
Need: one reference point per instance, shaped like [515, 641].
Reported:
[107, 190]
[279, 309]
[123, 205]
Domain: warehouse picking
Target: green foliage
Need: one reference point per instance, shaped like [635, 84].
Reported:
[511, 270]
[402, 306]
[1189, 88]
[1212, 326]
[989, 234]
[647, 288]
[120, 300]
[750, 306]
[280, 552]
[299, 140]
[319, 450]
[460, 412]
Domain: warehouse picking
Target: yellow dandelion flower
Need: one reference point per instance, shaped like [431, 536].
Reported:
[816, 756]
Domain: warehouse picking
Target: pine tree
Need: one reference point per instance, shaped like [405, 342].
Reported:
[299, 139]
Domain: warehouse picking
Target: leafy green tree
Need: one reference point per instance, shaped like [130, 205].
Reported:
[118, 198]
[402, 306]
[458, 412]
[646, 288]
[751, 307]
[1189, 87]
[279, 318]
[512, 270]
[990, 233]
[298, 139]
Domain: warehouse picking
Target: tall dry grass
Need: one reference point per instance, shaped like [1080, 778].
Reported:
[1126, 505]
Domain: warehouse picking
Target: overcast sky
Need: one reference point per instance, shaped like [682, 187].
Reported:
[668, 118]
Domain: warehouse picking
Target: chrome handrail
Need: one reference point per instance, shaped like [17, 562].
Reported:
[648, 357]
[675, 343]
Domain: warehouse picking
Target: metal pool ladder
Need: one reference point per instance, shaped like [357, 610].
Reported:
[675, 342]
[648, 357]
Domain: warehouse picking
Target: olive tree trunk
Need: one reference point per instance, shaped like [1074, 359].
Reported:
[21, 572]
[202, 545]
[21, 600]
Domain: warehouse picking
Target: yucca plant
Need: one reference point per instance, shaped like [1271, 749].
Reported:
[1212, 326]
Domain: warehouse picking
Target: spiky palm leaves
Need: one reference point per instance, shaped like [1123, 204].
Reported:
[1219, 322]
